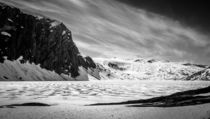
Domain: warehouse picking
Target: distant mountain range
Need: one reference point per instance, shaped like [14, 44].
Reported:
[150, 69]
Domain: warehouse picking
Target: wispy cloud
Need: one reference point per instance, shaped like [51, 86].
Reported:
[109, 28]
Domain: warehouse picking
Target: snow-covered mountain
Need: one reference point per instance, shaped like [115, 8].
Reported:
[149, 69]
[38, 48]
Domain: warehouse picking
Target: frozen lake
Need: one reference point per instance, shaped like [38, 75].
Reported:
[91, 91]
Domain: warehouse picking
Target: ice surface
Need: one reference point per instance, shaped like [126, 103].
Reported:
[92, 91]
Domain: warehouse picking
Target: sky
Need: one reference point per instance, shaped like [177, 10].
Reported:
[191, 12]
[175, 31]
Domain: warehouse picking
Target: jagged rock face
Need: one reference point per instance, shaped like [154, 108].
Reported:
[40, 40]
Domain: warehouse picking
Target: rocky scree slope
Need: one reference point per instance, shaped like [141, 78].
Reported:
[41, 45]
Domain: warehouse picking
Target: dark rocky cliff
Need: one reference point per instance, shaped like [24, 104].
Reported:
[40, 40]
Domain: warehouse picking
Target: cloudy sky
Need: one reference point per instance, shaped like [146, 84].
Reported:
[193, 12]
[163, 29]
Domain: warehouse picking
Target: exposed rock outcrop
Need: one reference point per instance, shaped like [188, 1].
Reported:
[39, 40]
[203, 75]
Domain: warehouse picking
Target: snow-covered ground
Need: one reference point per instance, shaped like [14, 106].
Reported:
[69, 99]
[92, 91]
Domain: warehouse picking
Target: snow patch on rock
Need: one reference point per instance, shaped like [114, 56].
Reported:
[6, 34]
[54, 24]
[64, 32]
[39, 17]
[10, 20]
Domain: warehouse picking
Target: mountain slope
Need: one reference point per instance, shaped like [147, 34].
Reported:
[39, 40]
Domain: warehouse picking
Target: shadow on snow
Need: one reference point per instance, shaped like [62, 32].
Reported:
[186, 98]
